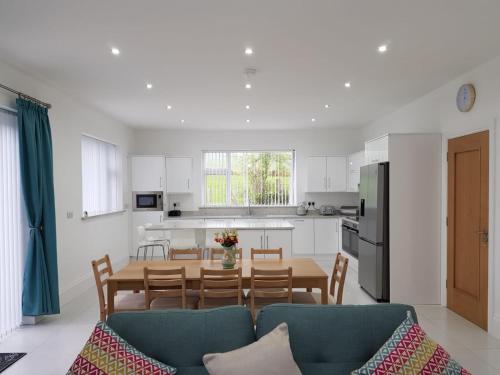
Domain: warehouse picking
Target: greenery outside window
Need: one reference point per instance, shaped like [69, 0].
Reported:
[242, 178]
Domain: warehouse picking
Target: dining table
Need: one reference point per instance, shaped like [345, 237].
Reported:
[306, 273]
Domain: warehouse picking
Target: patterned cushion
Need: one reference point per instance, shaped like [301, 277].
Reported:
[410, 351]
[106, 353]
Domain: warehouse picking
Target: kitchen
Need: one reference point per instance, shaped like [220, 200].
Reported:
[323, 175]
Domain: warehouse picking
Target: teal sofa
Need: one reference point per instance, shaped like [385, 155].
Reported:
[325, 339]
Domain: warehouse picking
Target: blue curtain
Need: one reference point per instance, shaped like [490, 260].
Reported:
[40, 284]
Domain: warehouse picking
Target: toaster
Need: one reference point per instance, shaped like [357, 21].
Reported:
[327, 210]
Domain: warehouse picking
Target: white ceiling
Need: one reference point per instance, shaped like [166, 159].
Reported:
[192, 52]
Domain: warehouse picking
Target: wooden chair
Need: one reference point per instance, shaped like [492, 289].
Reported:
[217, 253]
[269, 286]
[264, 252]
[338, 280]
[166, 289]
[220, 288]
[102, 271]
[192, 254]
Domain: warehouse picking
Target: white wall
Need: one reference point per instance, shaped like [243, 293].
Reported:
[437, 111]
[314, 142]
[78, 242]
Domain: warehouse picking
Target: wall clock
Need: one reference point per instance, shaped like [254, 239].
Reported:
[466, 97]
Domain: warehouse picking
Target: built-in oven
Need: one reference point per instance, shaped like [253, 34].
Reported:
[147, 200]
[350, 238]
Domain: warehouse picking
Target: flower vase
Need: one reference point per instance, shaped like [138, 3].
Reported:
[229, 257]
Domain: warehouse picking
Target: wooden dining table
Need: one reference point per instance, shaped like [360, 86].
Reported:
[306, 273]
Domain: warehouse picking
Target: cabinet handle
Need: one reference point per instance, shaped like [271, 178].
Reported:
[324, 183]
[267, 242]
[161, 218]
[261, 243]
[299, 220]
[188, 183]
[161, 185]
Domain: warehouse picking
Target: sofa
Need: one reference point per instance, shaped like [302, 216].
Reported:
[325, 339]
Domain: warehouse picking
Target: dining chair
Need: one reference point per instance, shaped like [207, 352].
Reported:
[217, 253]
[278, 251]
[128, 302]
[268, 286]
[166, 289]
[337, 282]
[190, 254]
[146, 241]
[220, 288]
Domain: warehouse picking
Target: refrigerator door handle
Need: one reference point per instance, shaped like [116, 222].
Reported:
[362, 208]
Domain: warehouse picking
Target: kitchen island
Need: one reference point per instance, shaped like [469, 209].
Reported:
[238, 224]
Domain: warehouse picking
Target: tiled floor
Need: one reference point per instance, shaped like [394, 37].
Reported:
[53, 343]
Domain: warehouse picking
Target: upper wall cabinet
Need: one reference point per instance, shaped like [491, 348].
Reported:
[179, 175]
[326, 174]
[354, 163]
[377, 150]
[148, 173]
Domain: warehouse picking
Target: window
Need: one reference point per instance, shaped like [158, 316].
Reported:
[12, 222]
[101, 177]
[240, 178]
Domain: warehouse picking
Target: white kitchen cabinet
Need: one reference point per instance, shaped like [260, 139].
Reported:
[326, 236]
[142, 218]
[316, 174]
[326, 174]
[355, 162]
[377, 150]
[303, 236]
[148, 173]
[279, 238]
[179, 175]
[336, 173]
[250, 239]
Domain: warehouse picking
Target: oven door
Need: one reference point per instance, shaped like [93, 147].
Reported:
[354, 242]
[346, 240]
[148, 201]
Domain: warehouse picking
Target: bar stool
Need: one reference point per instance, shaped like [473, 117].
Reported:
[146, 242]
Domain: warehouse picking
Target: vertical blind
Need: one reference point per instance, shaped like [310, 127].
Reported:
[101, 175]
[11, 221]
[239, 178]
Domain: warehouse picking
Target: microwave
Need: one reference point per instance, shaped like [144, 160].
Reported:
[147, 200]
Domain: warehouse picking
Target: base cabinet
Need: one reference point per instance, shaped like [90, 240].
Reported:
[326, 236]
[265, 239]
[303, 237]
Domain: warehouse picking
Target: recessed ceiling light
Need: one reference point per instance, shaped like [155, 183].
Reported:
[149, 86]
[248, 85]
[327, 106]
[248, 121]
[182, 121]
[248, 51]
[382, 48]
[115, 51]
[247, 106]
[313, 120]
[169, 107]
[347, 84]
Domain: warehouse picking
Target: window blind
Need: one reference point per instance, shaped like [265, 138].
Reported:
[11, 224]
[101, 175]
[239, 178]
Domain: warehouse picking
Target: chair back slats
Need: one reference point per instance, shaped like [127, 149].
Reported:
[264, 282]
[101, 276]
[165, 283]
[217, 253]
[220, 284]
[195, 254]
[278, 252]
[338, 278]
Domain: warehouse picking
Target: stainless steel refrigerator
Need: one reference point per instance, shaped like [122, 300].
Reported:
[373, 268]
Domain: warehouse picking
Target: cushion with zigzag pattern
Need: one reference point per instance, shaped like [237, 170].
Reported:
[106, 353]
[410, 351]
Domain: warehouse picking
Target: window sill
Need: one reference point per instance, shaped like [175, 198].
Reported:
[93, 216]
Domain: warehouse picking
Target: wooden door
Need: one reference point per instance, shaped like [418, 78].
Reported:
[467, 280]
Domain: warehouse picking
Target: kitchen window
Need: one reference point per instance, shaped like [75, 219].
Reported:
[101, 177]
[242, 178]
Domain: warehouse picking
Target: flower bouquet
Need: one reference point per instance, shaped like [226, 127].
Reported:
[228, 240]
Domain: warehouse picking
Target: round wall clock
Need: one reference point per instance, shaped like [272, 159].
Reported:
[466, 97]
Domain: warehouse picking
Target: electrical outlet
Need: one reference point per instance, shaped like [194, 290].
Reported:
[69, 214]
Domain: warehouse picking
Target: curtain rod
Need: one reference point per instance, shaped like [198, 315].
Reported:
[25, 96]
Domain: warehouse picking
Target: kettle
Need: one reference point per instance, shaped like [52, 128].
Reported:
[301, 209]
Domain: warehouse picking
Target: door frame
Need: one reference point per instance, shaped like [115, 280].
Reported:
[493, 327]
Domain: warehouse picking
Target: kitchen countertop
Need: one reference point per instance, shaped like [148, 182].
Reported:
[252, 217]
[239, 224]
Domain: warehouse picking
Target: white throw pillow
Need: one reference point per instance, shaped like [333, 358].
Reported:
[271, 355]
